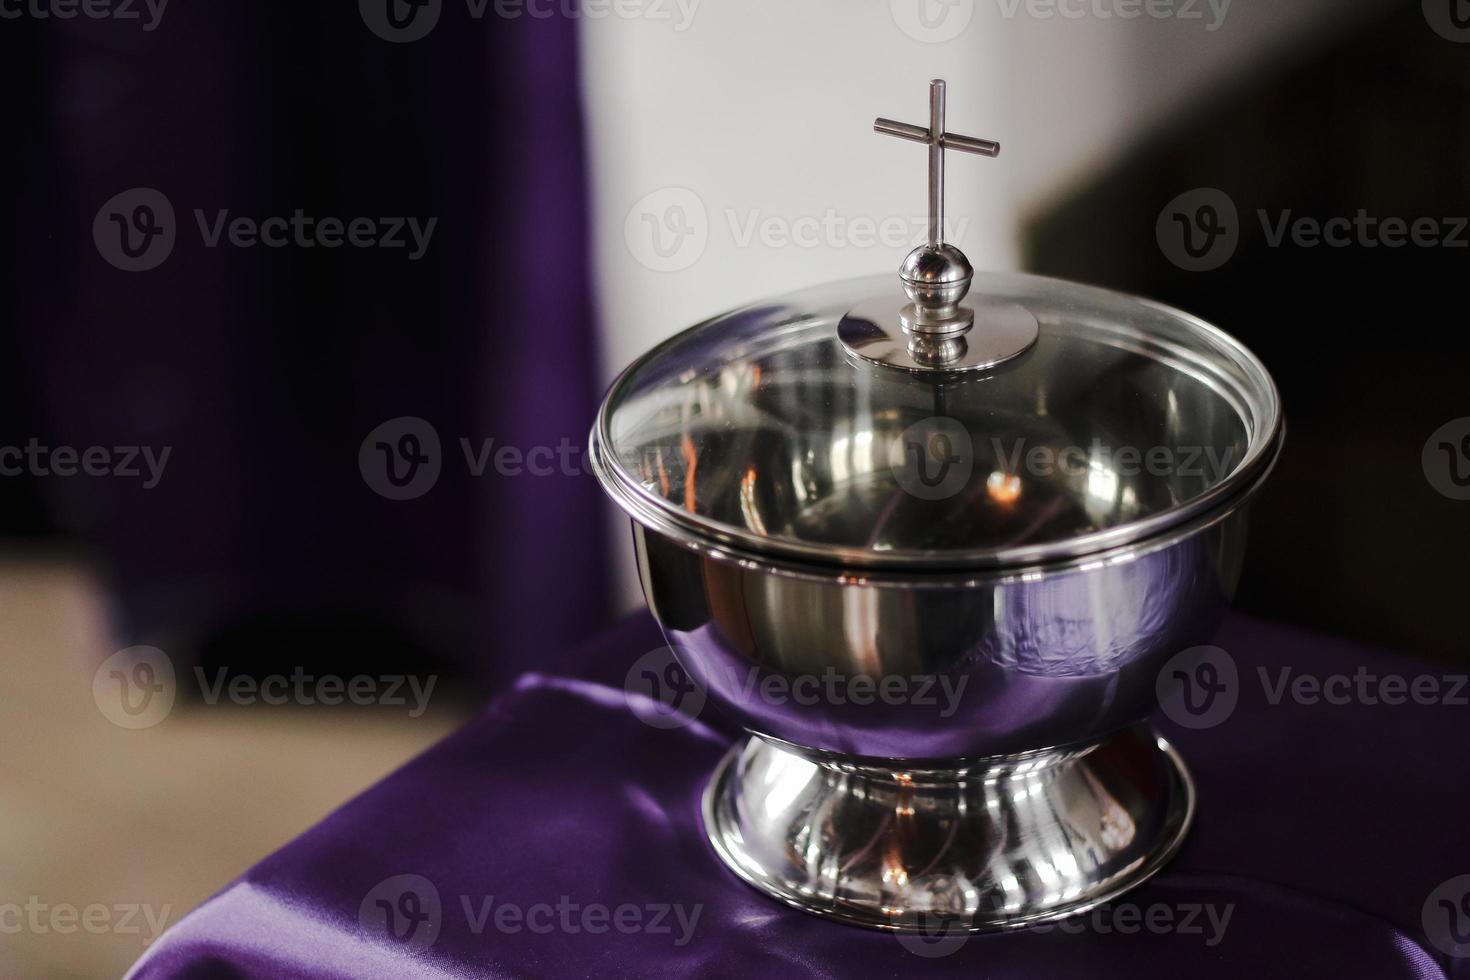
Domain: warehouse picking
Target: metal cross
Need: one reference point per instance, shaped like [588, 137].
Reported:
[938, 141]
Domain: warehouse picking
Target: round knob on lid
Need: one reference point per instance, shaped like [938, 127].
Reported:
[936, 278]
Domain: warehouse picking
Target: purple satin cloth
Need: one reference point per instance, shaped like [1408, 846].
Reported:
[1322, 830]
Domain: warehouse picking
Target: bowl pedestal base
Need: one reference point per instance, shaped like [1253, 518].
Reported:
[1000, 844]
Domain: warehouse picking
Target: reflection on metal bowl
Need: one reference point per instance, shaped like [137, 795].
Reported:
[941, 604]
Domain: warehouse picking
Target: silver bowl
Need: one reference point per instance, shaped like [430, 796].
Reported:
[942, 605]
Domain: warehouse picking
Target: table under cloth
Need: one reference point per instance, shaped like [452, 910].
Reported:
[557, 835]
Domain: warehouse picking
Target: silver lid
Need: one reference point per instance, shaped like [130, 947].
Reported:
[758, 432]
[1033, 420]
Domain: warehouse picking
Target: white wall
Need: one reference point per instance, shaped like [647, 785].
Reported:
[728, 112]
[765, 109]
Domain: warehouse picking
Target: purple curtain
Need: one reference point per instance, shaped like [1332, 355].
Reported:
[271, 366]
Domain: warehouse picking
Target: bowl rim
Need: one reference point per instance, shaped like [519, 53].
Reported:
[958, 577]
[732, 543]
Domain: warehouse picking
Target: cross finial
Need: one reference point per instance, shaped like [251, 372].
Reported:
[938, 141]
[932, 331]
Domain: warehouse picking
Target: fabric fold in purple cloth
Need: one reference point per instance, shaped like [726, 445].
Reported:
[558, 835]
